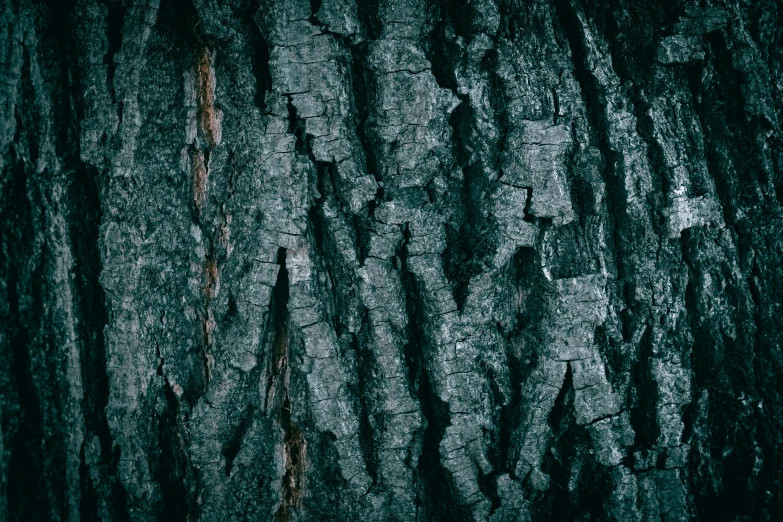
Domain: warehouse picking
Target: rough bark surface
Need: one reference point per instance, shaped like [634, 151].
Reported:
[391, 260]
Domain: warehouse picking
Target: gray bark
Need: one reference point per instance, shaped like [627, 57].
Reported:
[391, 260]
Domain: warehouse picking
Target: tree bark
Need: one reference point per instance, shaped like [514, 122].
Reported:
[391, 260]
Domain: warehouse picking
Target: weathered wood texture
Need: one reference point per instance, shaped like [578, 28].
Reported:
[391, 260]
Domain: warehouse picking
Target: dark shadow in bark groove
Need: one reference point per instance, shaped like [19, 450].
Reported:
[554, 503]
[91, 301]
[293, 439]
[735, 162]
[567, 457]
[169, 468]
[527, 312]
[84, 225]
[368, 17]
[114, 22]
[82, 213]
[296, 126]
[83, 222]
[325, 247]
[278, 317]
[644, 413]
[363, 88]
[179, 19]
[88, 503]
[719, 365]
[26, 482]
[364, 367]
[469, 244]
[443, 54]
[260, 55]
[469, 241]
[362, 85]
[315, 5]
[595, 104]
[234, 444]
[35, 478]
[119, 496]
[436, 491]
[413, 349]
[488, 486]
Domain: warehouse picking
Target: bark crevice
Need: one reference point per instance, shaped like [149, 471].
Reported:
[437, 490]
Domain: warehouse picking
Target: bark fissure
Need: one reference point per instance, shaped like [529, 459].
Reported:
[438, 497]
[84, 232]
[368, 426]
[114, 21]
[231, 449]
[171, 461]
[27, 494]
[643, 417]
[362, 86]
[294, 446]
[595, 105]
[260, 49]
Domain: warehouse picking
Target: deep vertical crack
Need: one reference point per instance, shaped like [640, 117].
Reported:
[91, 301]
[437, 488]
[26, 482]
[114, 22]
[294, 446]
[568, 458]
[260, 55]
[644, 412]
[367, 426]
[171, 460]
[734, 161]
[594, 104]
[234, 444]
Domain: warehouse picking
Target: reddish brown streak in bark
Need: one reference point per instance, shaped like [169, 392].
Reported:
[210, 291]
[209, 122]
[206, 95]
[199, 179]
[294, 467]
[208, 117]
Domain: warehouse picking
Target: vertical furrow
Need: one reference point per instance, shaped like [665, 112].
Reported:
[25, 488]
[731, 91]
[244, 427]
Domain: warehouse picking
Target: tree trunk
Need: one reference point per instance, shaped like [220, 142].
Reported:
[391, 260]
